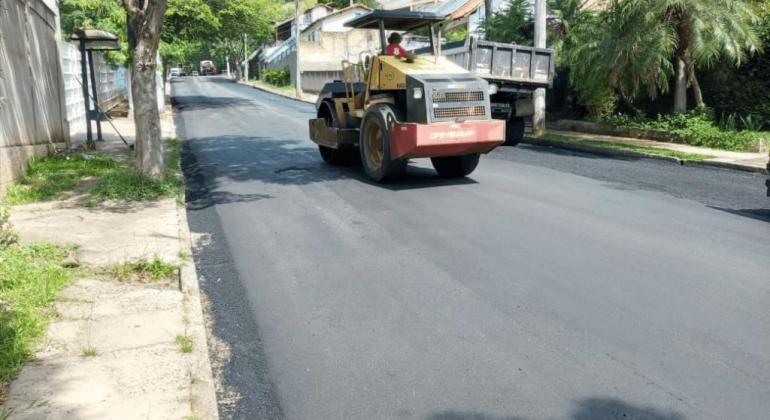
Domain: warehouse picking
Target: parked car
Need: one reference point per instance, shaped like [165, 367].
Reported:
[175, 72]
[195, 72]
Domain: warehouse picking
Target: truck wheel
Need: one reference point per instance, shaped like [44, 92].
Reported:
[455, 166]
[343, 156]
[514, 131]
[375, 144]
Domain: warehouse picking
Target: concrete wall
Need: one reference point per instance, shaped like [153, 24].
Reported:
[31, 85]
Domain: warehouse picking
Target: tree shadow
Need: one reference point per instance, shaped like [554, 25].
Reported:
[587, 409]
[211, 162]
[763, 215]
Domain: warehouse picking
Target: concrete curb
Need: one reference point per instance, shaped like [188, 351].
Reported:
[203, 399]
[612, 152]
[264, 89]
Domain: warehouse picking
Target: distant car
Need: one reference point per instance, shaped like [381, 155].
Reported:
[175, 72]
[195, 72]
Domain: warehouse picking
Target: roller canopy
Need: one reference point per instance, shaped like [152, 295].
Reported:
[395, 20]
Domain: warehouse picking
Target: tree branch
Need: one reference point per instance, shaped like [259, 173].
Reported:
[129, 6]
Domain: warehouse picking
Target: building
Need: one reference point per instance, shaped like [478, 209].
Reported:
[326, 42]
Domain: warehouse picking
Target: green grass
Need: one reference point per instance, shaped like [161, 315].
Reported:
[628, 147]
[185, 343]
[30, 277]
[143, 270]
[51, 177]
[288, 90]
[89, 352]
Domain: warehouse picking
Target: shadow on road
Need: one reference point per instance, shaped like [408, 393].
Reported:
[210, 163]
[587, 409]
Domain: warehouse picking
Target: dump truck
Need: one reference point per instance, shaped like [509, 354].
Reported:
[207, 68]
[389, 109]
[513, 72]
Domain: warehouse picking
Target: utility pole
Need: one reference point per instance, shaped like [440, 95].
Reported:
[538, 120]
[245, 57]
[297, 32]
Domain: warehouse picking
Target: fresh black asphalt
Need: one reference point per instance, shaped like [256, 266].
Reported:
[548, 285]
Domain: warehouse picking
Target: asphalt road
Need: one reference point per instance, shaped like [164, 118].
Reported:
[548, 285]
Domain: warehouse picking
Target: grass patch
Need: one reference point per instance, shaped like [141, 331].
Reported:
[142, 270]
[185, 343]
[628, 147]
[51, 177]
[287, 90]
[48, 178]
[30, 277]
[89, 352]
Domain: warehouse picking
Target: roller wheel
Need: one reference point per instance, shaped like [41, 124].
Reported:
[374, 144]
[345, 155]
[455, 166]
[514, 131]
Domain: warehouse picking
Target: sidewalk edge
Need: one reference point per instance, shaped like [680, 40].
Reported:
[264, 89]
[612, 152]
[202, 387]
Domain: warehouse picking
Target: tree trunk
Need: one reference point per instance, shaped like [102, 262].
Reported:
[145, 18]
[487, 9]
[694, 84]
[680, 91]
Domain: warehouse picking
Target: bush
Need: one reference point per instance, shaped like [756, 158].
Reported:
[276, 77]
[696, 128]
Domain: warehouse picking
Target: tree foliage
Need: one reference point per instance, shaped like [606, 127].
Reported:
[512, 23]
[636, 47]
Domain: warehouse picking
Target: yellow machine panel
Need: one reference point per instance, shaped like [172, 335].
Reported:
[389, 73]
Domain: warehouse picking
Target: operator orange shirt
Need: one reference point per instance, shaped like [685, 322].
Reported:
[395, 49]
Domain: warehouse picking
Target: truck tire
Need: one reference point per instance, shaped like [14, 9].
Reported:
[514, 131]
[374, 144]
[345, 155]
[455, 166]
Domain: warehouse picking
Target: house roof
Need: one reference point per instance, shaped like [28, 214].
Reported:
[336, 13]
[291, 19]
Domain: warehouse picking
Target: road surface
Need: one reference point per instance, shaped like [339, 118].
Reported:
[548, 285]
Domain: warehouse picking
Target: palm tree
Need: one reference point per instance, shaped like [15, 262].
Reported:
[651, 40]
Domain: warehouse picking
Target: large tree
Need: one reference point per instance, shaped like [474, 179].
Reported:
[145, 19]
[648, 41]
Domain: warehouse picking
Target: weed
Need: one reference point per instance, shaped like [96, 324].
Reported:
[30, 277]
[8, 234]
[129, 185]
[5, 413]
[142, 270]
[185, 343]
[89, 352]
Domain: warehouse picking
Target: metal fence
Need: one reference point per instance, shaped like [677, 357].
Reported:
[111, 83]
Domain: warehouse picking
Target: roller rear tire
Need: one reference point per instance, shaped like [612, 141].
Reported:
[514, 131]
[455, 166]
[374, 144]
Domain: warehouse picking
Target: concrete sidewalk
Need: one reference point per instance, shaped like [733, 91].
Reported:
[112, 352]
[753, 162]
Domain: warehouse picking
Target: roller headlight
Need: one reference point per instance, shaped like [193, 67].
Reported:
[492, 88]
[417, 93]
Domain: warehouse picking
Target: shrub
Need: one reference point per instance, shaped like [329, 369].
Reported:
[276, 77]
[696, 128]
